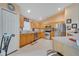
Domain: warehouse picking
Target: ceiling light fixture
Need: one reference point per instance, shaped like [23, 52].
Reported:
[40, 18]
[59, 9]
[28, 11]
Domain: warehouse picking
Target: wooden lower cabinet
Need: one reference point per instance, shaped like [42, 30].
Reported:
[26, 39]
[52, 34]
[29, 38]
[41, 35]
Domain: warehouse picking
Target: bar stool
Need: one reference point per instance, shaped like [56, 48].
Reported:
[5, 43]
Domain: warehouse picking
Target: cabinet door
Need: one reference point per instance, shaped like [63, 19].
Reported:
[27, 36]
[21, 22]
[22, 40]
[31, 37]
[41, 35]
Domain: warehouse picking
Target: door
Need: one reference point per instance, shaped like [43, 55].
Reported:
[0, 26]
[11, 26]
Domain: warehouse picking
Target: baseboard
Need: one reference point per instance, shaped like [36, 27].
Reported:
[60, 54]
[12, 52]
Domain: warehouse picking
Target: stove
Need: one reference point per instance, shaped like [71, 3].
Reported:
[48, 35]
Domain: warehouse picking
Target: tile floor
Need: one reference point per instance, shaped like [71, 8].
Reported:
[39, 48]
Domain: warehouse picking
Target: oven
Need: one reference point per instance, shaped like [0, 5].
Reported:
[47, 35]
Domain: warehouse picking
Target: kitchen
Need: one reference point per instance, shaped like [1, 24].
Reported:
[39, 28]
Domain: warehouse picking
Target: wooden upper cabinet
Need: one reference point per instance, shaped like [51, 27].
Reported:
[36, 24]
[32, 24]
[21, 22]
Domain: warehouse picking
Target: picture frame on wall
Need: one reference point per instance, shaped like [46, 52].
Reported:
[74, 26]
[11, 7]
[68, 21]
[68, 27]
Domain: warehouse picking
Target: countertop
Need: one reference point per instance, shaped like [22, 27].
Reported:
[28, 32]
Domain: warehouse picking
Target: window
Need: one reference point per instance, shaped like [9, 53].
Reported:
[27, 25]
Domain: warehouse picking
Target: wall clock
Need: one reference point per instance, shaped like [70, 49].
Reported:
[74, 26]
[11, 7]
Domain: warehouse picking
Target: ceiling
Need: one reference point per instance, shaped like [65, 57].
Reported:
[40, 11]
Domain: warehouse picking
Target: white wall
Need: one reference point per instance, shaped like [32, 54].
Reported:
[72, 12]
